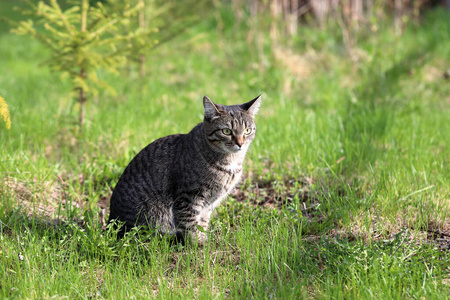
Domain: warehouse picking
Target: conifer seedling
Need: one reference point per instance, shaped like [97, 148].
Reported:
[85, 38]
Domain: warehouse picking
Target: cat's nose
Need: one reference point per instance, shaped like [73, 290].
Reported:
[240, 142]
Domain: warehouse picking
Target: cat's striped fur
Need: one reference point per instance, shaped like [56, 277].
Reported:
[174, 183]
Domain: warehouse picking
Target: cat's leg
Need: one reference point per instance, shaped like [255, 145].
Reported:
[198, 235]
[187, 218]
[204, 218]
[187, 229]
[201, 224]
[155, 215]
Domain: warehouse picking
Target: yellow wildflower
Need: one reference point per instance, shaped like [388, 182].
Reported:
[4, 112]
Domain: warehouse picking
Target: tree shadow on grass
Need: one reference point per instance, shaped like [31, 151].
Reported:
[368, 116]
[82, 234]
[340, 266]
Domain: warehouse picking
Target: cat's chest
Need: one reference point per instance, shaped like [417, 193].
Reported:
[224, 187]
[227, 176]
[234, 166]
[226, 181]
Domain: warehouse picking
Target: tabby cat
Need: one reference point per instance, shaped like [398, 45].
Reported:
[174, 183]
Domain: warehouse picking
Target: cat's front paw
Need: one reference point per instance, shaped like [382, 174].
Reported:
[202, 238]
[192, 236]
[199, 236]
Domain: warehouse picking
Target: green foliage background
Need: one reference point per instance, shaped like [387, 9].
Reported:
[371, 135]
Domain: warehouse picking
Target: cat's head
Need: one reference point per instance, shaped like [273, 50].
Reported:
[230, 129]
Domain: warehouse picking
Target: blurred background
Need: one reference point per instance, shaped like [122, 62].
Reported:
[355, 87]
[346, 186]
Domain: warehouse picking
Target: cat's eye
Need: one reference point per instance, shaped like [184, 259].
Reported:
[248, 131]
[226, 131]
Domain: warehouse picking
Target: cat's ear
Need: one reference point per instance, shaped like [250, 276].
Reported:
[252, 106]
[211, 109]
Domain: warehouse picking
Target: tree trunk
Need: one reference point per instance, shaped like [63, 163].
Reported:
[275, 10]
[141, 17]
[321, 9]
[142, 66]
[398, 5]
[81, 92]
[82, 99]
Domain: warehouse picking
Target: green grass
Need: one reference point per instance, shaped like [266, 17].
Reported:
[372, 135]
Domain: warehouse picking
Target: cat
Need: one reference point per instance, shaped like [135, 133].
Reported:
[174, 183]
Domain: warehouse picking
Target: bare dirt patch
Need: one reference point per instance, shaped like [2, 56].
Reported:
[281, 194]
[41, 197]
[48, 199]
[276, 194]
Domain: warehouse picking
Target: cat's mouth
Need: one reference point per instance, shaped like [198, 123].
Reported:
[235, 148]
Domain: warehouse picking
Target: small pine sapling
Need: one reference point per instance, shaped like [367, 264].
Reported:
[84, 38]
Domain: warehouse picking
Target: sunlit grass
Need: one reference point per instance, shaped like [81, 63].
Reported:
[372, 136]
